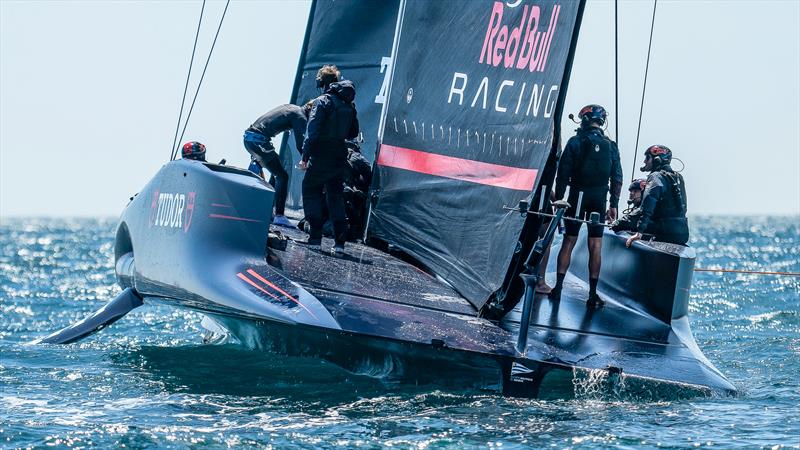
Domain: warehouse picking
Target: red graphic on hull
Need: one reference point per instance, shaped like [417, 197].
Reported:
[271, 285]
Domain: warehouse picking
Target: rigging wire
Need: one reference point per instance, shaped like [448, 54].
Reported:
[756, 272]
[616, 74]
[644, 88]
[173, 149]
[200, 83]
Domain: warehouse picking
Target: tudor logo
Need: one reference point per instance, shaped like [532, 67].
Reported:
[168, 210]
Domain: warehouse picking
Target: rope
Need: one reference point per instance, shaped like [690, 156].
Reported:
[616, 74]
[200, 83]
[173, 149]
[644, 88]
[756, 272]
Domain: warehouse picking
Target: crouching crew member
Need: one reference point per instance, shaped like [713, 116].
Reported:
[630, 220]
[332, 120]
[258, 142]
[589, 164]
[663, 201]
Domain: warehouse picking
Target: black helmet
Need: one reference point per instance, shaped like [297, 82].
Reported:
[194, 150]
[637, 185]
[661, 155]
[592, 113]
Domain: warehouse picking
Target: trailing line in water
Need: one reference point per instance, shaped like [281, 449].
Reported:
[755, 272]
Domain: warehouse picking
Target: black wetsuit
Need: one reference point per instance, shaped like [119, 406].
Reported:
[258, 142]
[664, 207]
[628, 222]
[590, 164]
[333, 119]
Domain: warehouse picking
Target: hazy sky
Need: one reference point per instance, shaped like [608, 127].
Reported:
[90, 93]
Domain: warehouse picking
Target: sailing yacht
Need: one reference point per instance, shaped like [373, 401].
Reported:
[460, 105]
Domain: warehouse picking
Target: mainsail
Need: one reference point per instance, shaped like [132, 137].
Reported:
[474, 100]
[357, 37]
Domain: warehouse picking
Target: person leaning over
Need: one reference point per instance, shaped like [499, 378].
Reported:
[258, 142]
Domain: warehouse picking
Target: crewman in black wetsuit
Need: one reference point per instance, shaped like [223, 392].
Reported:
[663, 201]
[631, 216]
[258, 142]
[333, 120]
[589, 164]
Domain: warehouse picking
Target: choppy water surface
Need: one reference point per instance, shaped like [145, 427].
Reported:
[148, 381]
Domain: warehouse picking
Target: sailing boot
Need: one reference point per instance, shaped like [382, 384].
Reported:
[594, 301]
[282, 221]
[313, 244]
[555, 294]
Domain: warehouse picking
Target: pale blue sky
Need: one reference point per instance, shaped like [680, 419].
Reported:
[90, 92]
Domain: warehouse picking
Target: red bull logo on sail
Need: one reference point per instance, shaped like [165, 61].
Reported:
[513, 49]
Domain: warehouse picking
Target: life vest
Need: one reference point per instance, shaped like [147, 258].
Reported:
[338, 123]
[673, 202]
[593, 169]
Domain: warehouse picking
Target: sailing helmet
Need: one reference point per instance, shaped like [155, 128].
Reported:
[661, 155]
[592, 113]
[637, 185]
[194, 150]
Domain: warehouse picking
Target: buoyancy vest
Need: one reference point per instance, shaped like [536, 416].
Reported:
[673, 201]
[593, 168]
[338, 122]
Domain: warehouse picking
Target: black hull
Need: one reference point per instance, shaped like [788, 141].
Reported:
[374, 314]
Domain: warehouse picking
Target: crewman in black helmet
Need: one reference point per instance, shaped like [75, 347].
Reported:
[663, 201]
[590, 166]
[631, 216]
[333, 120]
[194, 150]
[258, 142]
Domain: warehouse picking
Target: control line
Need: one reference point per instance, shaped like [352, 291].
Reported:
[756, 272]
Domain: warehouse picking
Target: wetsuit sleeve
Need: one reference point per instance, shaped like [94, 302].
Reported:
[315, 122]
[298, 129]
[565, 167]
[615, 184]
[353, 133]
[652, 194]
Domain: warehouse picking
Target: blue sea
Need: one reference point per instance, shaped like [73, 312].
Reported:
[148, 381]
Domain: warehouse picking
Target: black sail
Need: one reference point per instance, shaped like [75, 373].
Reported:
[357, 37]
[475, 96]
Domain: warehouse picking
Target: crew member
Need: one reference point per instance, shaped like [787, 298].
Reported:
[332, 120]
[589, 164]
[663, 201]
[357, 178]
[630, 220]
[194, 150]
[258, 142]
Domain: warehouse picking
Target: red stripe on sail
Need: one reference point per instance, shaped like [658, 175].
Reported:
[457, 168]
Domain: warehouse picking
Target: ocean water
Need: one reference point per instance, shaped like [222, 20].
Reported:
[148, 381]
